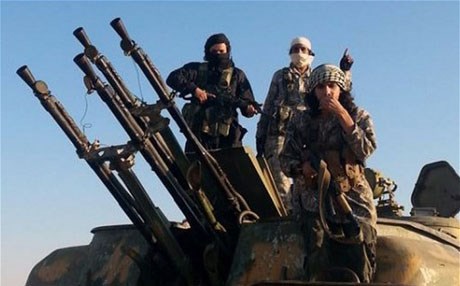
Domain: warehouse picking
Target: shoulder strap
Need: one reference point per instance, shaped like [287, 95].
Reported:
[202, 77]
[287, 82]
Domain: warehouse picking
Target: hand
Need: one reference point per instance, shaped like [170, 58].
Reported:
[260, 147]
[251, 110]
[331, 105]
[201, 95]
[346, 61]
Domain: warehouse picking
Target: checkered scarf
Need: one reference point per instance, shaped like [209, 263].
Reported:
[326, 73]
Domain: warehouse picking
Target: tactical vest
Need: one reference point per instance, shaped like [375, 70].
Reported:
[288, 104]
[216, 116]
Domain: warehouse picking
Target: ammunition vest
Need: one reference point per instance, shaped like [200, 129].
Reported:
[293, 96]
[215, 117]
[292, 101]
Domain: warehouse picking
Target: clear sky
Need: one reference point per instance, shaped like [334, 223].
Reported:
[406, 74]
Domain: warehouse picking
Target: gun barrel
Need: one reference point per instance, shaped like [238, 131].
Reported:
[126, 42]
[176, 162]
[159, 228]
[81, 143]
[83, 63]
[26, 76]
[82, 37]
[119, 27]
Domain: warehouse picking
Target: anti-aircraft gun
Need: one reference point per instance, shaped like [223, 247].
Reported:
[237, 231]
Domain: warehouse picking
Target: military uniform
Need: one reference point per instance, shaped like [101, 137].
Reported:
[285, 97]
[215, 122]
[325, 138]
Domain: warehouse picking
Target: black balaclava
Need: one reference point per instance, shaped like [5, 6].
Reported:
[219, 60]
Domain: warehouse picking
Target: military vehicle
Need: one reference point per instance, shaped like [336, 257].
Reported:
[236, 229]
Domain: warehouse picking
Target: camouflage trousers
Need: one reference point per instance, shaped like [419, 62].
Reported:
[273, 147]
[325, 254]
[300, 200]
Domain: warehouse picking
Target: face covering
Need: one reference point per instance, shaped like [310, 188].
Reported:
[301, 60]
[219, 60]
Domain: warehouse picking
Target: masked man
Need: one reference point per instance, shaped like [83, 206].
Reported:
[216, 89]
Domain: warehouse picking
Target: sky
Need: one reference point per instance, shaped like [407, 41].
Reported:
[406, 74]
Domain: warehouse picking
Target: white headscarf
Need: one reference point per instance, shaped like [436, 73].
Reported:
[301, 59]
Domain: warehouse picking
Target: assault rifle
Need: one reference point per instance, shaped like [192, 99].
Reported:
[224, 99]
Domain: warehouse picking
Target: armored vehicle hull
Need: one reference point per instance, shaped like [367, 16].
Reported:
[408, 253]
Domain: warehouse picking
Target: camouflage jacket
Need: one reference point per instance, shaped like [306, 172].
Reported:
[319, 135]
[285, 95]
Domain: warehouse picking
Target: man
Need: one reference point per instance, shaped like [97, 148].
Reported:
[285, 97]
[340, 221]
[216, 88]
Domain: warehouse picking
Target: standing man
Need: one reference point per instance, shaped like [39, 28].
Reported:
[215, 88]
[340, 224]
[285, 97]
